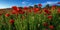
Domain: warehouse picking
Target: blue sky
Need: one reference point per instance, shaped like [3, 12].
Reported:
[22, 3]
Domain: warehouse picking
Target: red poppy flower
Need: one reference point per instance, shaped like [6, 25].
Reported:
[25, 8]
[58, 10]
[36, 10]
[53, 7]
[45, 24]
[15, 8]
[39, 5]
[11, 21]
[58, 3]
[14, 12]
[47, 11]
[49, 17]
[21, 12]
[51, 27]
[7, 15]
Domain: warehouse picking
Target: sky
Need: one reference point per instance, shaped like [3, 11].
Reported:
[22, 3]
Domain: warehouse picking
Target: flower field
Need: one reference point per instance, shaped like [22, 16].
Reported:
[31, 18]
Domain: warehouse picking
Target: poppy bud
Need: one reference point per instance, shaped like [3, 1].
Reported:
[50, 17]
[51, 27]
[7, 15]
[11, 21]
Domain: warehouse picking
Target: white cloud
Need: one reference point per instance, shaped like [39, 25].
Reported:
[25, 2]
[30, 4]
[51, 2]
